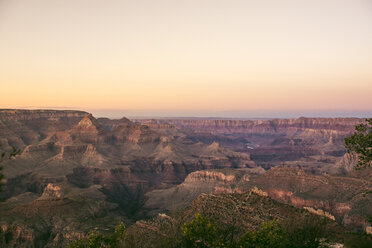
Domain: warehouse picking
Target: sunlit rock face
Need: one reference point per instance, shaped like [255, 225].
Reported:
[265, 126]
[52, 192]
[342, 198]
[25, 127]
[78, 169]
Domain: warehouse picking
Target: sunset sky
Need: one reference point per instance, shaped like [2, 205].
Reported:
[236, 58]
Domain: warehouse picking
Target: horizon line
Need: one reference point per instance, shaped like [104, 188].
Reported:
[215, 115]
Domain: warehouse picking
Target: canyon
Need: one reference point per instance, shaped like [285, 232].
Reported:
[75, 172]
[78, 173]
[344, 199]
[312, 144]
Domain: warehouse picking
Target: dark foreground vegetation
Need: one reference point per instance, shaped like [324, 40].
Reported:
[361, 143]
[204, 232]
[7, 155]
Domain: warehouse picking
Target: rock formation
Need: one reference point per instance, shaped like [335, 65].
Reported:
[343, 197]
[76, 172]
[312, 144]
[101, 170]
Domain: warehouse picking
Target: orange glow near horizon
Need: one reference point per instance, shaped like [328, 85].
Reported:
[193, 55]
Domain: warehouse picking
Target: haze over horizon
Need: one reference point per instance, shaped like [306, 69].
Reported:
[209, 114]
[241, 59]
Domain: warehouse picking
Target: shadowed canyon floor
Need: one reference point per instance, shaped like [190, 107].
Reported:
[77, 173]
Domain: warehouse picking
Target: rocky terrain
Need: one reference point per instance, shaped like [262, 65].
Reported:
[313, 144]
[238, 213]
[76, 172]
[344, 198]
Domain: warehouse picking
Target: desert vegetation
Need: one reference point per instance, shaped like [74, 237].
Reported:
[7, 155]
[361, 143]
[232, 220]
[206, 232]
[97, 240]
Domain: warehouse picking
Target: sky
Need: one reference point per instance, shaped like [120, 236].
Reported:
[232, 58]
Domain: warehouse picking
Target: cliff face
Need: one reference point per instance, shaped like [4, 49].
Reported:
[265, 126]
[196, 183]
[343, 197]
[20, 128]
[59, 215]
[70, 160]
[34, 115]
[340, 197]
[237, 213]
[313, 144]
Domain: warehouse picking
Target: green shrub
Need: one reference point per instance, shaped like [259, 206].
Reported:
[270, 234]
[97, 240]
[202, 232]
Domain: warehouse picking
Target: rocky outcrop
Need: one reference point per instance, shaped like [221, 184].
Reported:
[347, 163]
[209, 177]
[88, 130]
[89, 124]
[60, 215]
[239, 213]
[341, 198]
[320, 212]
[34, 115]
[27, 127]
[110, 124]
[264, 126]
[196, 183]
[313, 144]
[103, 168]
[52, 192]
